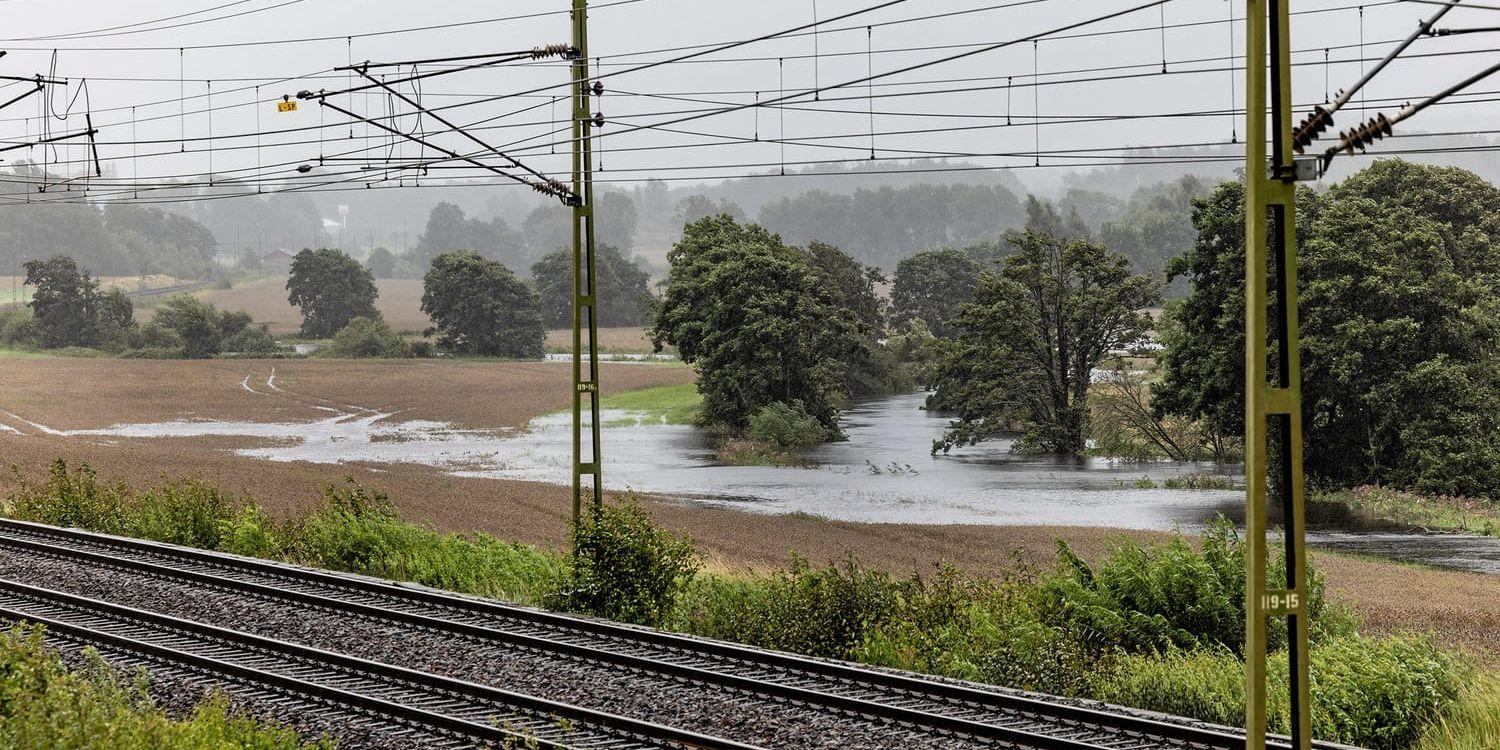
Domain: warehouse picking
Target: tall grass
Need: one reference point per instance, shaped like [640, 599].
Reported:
[1470, 723]
[43, 704]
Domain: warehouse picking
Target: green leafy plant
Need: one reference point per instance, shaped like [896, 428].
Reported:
[43, 704]
[625, 567]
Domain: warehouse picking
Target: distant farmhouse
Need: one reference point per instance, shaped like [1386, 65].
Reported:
[279, 261]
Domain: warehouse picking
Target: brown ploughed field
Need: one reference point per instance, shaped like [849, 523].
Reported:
[400, 303]
[1463, 609]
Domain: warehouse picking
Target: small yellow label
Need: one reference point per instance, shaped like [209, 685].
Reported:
[286, 106]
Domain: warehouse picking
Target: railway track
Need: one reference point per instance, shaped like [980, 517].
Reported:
[1001, 718]
[451, 712]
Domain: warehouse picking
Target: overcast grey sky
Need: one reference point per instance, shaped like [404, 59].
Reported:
[130, 64]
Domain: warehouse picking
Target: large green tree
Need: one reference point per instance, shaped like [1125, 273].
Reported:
[1399, 271]
[931, 286]
[331, 289]
[1025, 349]
[622, 290]
[479, 307]
[70, 309]
[750, 313]
[870, 369]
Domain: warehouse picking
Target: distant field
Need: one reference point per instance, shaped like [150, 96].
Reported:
[615, 340]
[400, 301]
[12, 288]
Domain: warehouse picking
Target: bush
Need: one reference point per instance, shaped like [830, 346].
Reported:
[1147, 599]
[625, 567]
[1206, 684]
[187, 512]
[18, 328]
[1376, 693]
[357, 530]
[366, 338]
[787, 425]
[979, 630]
[74, 499]
[45, 705]
[816, 611]
[252, 340]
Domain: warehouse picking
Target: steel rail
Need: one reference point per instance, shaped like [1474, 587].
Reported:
[443, 705]
[1022, 719]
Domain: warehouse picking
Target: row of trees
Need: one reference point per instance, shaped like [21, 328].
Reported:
[1400, 296]
[70, 309]
[1399, 274]
[477, 306]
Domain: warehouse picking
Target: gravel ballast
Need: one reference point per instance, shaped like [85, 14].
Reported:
[720, 712]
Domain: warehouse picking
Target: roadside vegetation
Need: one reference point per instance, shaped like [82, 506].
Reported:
[46, 703]
[1156, 627]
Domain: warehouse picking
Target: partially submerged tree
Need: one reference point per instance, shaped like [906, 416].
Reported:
[752, 315]
[1026, 347]
[332, 289]
[480, 308]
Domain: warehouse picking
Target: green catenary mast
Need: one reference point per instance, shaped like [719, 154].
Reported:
[1273, 405]
[586, 458]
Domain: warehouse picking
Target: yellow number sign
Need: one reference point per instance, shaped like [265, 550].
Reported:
[286, 106]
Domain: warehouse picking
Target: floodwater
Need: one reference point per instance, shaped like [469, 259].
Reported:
[883, 473]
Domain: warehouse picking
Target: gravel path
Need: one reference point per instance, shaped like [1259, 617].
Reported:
[719, 712]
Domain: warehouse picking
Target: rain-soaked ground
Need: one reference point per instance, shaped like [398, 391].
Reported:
[884, 472]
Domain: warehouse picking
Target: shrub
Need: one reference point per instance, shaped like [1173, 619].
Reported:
[1144, 599]
[625, 567]
[1376, 693]
[18, 328]
[187, 512]
[787, 425]
[1205, 684]
[357, 530]
[74, 499]
[1198, 482]
[979, 630]
[44, 704]
[816, 611]
[252, 340]
[365, 338]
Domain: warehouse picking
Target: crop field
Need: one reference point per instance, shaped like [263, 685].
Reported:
[12, 289]
[400, 302]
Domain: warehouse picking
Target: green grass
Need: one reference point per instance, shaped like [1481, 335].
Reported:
[667, 404]
[43, 704]
[1470, 723]
[1439, 513]
[8, 353]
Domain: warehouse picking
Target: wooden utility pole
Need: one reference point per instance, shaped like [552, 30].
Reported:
[1273, 406]
[585, 309]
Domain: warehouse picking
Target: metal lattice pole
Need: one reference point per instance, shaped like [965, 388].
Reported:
[1273, 406]
[585, 317]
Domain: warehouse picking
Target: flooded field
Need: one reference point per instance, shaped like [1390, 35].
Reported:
[883, 473]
